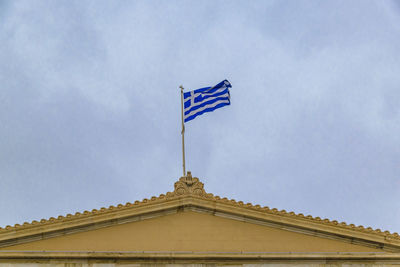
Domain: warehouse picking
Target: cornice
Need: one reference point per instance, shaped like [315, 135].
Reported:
[189, 256]
[189, 192]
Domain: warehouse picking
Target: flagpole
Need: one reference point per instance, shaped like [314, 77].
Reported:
[183, 133]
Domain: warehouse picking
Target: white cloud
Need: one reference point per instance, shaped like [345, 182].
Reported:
[90, 99]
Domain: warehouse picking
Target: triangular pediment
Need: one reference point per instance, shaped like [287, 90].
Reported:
[189, 220]
[191, 231]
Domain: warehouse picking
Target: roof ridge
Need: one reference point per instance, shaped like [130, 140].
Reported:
[189, 185]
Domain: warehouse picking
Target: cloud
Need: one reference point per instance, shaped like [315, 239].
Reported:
[90, 105]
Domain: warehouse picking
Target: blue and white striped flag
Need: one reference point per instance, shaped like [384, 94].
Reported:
[206, 99]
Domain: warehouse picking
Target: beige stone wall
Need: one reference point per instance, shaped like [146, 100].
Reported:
[292, 264]
[194, 231]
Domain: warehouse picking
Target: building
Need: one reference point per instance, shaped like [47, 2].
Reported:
[189, 226]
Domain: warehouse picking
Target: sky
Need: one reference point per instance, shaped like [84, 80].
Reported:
[90, 105]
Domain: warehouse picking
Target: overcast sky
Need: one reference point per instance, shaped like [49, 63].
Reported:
[90, 105]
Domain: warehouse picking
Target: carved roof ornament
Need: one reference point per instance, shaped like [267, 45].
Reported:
[188, 185]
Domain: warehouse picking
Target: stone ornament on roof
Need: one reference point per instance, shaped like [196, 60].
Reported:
[188, 185]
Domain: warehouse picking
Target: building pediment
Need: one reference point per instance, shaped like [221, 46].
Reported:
[189, 220]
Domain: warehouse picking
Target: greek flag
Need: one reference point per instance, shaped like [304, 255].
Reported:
[206, 99]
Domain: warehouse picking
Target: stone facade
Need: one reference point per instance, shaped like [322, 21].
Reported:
[192, 228]
[293, 264]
